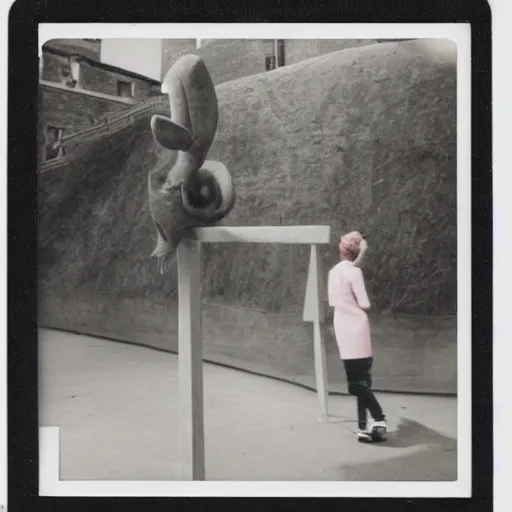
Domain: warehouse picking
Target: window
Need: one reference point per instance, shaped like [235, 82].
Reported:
[280, 52]
[276, 58]
[70, 72]
[125, 89]
[53, 147]
[65, 74]
[270, 62]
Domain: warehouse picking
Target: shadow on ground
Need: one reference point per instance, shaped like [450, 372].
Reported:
[412, 433]
[431, 457]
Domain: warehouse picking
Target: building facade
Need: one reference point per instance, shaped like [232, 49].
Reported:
[76, 89]
[81, 80]
[230, 59]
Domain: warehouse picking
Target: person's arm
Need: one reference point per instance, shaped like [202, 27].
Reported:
[363, 247]
[359, 290]
[333, 288]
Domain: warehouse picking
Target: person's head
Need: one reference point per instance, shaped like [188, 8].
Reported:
[350, 245]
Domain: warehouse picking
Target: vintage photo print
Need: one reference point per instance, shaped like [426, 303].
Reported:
[293, 157]
[253, 264]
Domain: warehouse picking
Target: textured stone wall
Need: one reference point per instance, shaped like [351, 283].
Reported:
[70, 111]
[75, 109]
[173, 49]
[230, 59]
[93, 78]
[357, 139]
[341, 140]
[297, 50]
[85, 47]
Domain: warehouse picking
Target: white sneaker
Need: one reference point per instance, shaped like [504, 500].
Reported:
[379, 430]
[375, 432]
[365, 434]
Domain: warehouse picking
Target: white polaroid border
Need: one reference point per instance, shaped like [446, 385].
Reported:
[502, 242]
[51, 485]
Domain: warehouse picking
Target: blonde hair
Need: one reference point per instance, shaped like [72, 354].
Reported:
[350, 245]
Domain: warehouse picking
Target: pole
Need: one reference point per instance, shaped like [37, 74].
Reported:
[190, 354]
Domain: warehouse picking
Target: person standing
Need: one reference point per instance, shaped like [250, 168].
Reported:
[348, 296]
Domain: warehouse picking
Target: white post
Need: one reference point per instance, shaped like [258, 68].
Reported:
[321, 370]
[313, 312]
[190, 361]
[190, 324]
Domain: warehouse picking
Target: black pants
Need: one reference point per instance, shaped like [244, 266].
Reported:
[360, 384]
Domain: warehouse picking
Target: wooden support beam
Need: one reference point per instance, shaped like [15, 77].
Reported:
[190, 355]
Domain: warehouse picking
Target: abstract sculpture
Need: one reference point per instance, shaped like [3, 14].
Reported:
[195, 192]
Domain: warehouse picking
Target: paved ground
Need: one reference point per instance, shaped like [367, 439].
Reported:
[117, 407]
[273, 345]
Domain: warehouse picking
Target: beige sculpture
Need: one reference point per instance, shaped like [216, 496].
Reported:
[194, 192]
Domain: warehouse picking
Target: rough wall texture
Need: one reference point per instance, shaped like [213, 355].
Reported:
[230, 59]
[173, 49]
[74, 109]
[70, 111]
[358, 139]
[85, 47]
[297, 50]
[93, 78]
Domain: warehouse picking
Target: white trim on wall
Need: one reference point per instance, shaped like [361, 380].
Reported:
[62, 87]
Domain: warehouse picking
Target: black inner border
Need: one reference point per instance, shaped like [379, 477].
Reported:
[22, 226]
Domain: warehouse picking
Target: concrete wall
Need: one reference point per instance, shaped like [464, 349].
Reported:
[358, 139]
[173, 49]
[297, 50]
[86, 47]
[230, 59]
[92, 77]
[71, 110]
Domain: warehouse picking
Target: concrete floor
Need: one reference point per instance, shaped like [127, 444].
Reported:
[117, 408]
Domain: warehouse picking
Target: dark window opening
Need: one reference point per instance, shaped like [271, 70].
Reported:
[270, 62]
[125, 89]
[65, 75]
[280, 52]
[54, 147]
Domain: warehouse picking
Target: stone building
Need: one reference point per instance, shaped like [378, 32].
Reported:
[230, 59]
[76, 89]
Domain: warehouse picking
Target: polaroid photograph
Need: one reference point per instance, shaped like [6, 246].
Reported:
[253, 260]
[293, 157]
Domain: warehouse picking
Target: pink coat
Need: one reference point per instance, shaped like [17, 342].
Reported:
[347, 295]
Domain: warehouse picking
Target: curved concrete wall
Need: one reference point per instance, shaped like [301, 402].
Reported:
[359, 139]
